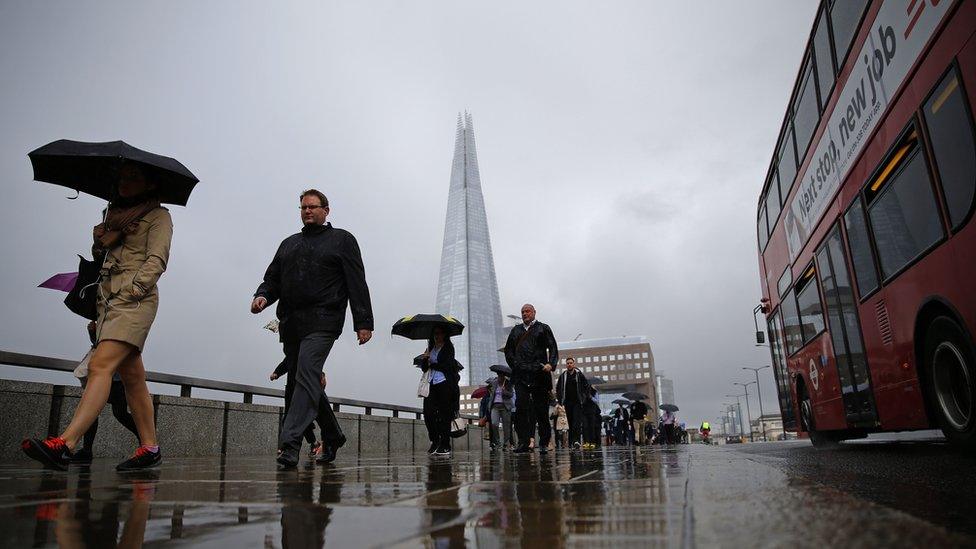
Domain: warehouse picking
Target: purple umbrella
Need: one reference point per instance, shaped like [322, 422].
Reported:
[61, 281]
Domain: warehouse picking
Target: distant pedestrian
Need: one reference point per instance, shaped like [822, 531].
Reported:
[668, 422]
[592, 419]
[442, 403]
[638, 415]
[503, 401]
[531, 351]
[132, 245]
[573, 392]
[621, 425]
[314, 274]
[561, 425]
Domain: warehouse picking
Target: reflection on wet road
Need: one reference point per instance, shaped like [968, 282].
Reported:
[769, 495]
[613, 498]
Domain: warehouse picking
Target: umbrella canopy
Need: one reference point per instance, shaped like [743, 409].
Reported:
[669, 407]
[501, 369]
[421, 327]
[621, 401]
[634, 395]
[605, 416]
[480, 392]
[596, 380]
[61, 281]
[92, 168]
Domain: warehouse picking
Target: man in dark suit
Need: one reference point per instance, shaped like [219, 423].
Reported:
[531, 352]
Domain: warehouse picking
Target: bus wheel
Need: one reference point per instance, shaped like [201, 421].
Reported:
[820, 439]
[951, 375]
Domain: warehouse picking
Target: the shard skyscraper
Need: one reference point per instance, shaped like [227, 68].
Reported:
[467, 288]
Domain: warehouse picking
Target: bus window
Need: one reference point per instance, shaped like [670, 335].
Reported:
[951, 136]
[762, 228]
[808, 302]
[844, 18]
[806, 111]
[824, 59]
[902, 210]
[772, 202]
[784, 281]
[791, 324]
[781, 373]
[857, 241]
[787, 163]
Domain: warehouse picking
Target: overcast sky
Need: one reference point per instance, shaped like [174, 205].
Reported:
[622, 148]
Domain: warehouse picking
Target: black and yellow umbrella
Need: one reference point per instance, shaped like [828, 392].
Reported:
[421, 327]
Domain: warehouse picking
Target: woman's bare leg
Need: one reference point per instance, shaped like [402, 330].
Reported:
[106, 359]
[133, 374]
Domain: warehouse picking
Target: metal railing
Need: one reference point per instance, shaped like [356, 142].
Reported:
[187, 384]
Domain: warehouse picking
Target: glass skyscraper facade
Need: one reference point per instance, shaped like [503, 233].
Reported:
[467, 288]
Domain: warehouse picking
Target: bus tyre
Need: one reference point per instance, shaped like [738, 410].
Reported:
[820, 439]
[951, 380]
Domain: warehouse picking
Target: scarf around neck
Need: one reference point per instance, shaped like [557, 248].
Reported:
[121, 219]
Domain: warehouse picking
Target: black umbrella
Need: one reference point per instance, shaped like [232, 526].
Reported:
[422, 326]
[501, 369]
[596, 380]
[93, 168]
[621, 401]
[634, 395]
[669, 407]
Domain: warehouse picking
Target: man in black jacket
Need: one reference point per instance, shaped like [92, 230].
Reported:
[530, 352]
[313, 276]
[573, 392]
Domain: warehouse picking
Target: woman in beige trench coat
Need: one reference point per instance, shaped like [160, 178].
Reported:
[133, 244]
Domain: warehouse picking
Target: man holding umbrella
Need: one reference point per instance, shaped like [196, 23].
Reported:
[314, 274]
[530, 352]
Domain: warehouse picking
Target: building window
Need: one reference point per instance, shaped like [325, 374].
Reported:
[902, 210]
[950, 132]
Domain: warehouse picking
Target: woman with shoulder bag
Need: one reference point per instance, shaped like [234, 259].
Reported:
[442, 403]
[132, 244]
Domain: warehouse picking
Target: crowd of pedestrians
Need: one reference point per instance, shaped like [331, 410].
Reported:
[313, 277]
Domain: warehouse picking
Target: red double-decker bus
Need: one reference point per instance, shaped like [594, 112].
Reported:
[867, 251]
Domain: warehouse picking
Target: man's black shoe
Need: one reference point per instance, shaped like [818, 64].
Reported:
[287, 461]
[433, 446]
[142, 459]
[327, 455]
[51, 452]
[82, 457]
[522, 450]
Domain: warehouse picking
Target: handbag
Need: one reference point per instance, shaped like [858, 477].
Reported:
[423, 390]
[459, 427]
[81, 298]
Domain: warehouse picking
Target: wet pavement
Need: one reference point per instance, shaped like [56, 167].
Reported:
[679, 497]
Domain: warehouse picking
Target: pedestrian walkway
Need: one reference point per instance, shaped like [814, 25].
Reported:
[616, 498]
[686, 496]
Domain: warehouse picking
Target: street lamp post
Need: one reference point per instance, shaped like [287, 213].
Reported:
[759, 389]
[745, 386]
[738, 406]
